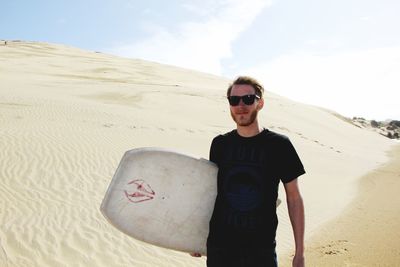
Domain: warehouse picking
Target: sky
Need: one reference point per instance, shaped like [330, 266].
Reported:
[343, 55]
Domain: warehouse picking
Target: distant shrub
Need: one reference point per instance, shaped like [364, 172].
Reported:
[374, 123]
[358, 119]
[395, 123]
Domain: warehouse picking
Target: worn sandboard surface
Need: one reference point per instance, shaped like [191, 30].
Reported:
[162, 197]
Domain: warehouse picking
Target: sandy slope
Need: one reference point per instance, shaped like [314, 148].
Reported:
[68, 115]
[366, 233]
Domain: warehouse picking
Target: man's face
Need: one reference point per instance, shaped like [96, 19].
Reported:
[242, 114]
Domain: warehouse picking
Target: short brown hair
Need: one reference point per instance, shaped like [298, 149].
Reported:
[259, 89]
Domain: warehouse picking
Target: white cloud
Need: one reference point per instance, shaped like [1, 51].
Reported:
[365, 18]
[199, 45]
[361, 83]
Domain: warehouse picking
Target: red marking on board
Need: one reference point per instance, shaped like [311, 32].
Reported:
[139, 191]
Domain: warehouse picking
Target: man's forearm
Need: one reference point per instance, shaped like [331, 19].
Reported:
[296, 214]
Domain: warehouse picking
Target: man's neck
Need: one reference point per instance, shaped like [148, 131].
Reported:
[249, 131]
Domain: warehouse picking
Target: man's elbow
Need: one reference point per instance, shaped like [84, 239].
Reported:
[294, 198]
[293, 194]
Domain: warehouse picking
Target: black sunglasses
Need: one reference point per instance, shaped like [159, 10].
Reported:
[247, 99]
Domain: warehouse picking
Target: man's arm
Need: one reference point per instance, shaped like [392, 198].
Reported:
[296, 214]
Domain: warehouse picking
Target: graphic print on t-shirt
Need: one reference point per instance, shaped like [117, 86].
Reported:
[242, 189]
[243, 186]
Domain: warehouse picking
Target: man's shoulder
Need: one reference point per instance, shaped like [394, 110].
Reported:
[275, 136]
[224, 136]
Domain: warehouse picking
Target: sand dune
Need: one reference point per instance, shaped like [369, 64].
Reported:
[366, 233]
[68, 115]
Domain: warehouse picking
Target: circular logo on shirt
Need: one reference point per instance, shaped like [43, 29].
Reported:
[243, 189]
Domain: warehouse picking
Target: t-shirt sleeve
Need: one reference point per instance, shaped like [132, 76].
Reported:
[214, 151]
[289, 164]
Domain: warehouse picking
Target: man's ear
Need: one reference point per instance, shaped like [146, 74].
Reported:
[260, 104]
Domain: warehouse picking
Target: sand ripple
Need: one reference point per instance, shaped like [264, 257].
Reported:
[56, 165]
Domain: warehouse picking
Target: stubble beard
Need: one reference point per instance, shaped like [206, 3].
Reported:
[249, 121]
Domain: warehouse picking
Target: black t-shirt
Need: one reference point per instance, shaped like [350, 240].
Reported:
[249, 172]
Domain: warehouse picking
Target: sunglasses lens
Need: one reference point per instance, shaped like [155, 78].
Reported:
[248, 99]
[234, 100]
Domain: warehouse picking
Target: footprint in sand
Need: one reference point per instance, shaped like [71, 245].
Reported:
[284, 129]
[335, 247]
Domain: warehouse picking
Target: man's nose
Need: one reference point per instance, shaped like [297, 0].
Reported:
[241, 103]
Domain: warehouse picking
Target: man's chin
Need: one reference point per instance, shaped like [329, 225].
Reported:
[244, 120]
[247, 123]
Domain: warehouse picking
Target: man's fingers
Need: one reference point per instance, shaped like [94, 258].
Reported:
[195, 254]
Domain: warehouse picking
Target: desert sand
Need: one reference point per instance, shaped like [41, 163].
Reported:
[366, 232]
[68, 115]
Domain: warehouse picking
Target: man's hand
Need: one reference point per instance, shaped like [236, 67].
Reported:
[195, 254]
[298, 261]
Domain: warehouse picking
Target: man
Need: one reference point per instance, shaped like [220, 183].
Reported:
[252, 161]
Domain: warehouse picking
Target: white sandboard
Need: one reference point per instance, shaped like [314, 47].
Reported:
[163, 198]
